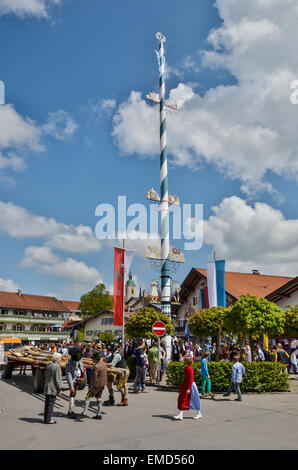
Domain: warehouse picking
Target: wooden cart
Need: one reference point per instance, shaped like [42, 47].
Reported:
[38, 360]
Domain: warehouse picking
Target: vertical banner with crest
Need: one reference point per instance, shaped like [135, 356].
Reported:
[119, 254]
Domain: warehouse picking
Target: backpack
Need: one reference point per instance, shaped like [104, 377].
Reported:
[267, 355]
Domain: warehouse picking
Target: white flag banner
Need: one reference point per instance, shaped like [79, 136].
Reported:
[211, 282]
[129, 255]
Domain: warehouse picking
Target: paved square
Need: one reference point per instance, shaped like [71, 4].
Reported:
[259, 422]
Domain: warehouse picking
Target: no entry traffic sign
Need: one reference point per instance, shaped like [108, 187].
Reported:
[159, 328]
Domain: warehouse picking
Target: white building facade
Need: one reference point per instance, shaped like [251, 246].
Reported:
[32, 318]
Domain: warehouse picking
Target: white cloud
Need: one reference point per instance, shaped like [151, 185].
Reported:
[7, 285]
[17, 132]
[60, 125]
[73, 270]
[18, 222]
[79, 239]
[27, 8]
[136, 127]
[12, 161]
[253, 237]
[107, 106]
[47, 262]
[36, 256]
[20, 135]
[245, 130]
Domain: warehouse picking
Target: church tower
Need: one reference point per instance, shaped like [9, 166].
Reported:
[130, 288]
[154, 296]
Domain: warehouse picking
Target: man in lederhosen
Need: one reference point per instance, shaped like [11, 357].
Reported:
[97, 384]
[119, 362]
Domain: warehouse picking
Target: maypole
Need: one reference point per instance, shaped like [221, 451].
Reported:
[164, 195]
[164, 206]
[166, 256]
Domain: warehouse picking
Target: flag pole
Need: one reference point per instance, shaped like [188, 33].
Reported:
[123, 329]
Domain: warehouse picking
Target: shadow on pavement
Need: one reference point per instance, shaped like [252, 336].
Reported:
[170, 417]
[24, 383]
[32, 420]
[221, 399]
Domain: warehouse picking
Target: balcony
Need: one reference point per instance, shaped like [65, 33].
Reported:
[34, 335]
[6, 318]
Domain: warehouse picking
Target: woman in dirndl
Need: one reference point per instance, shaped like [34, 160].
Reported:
[188, 393]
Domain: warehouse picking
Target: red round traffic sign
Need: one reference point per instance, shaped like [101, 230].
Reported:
[159, 328]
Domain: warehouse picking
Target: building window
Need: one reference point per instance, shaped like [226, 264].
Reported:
[2, 327]
[4, 311]
[34, 328]
[18, 327]
[195, 301]
[202, 283]
[19, 312]
[107, 321]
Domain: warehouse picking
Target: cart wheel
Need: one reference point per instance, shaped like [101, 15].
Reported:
[38, 380]
[7, 373]
[83, 382]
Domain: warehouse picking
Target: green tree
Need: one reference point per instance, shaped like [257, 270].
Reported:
[209, 322]
[291, 326]
[97, 300]
[107, 337]
[80, 336]
[140, 324]
[252, 317]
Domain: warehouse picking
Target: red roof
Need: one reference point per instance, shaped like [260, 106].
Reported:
[31, 302]
[68, 324]
[255, 284]
[71, 305]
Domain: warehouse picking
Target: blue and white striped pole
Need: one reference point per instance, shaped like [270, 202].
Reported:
[164, 206]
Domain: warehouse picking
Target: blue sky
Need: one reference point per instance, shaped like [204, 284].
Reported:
[70, 72]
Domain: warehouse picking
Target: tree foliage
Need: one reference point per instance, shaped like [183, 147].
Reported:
[207, 321]
[107, 337]
[291, 326]
[140, 324]
[252, 316]
[96, 300]
[80, 336]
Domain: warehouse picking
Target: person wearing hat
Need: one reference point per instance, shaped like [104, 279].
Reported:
[119, 361]
[111, 377]
[74, 374]
[97, 383]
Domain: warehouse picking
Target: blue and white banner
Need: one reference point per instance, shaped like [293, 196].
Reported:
[129, 255]
[186, 331]
[216, 283]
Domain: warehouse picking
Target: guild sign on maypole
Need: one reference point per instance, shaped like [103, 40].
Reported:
[166, 256]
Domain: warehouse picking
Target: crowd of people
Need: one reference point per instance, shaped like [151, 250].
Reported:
[148, 363]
